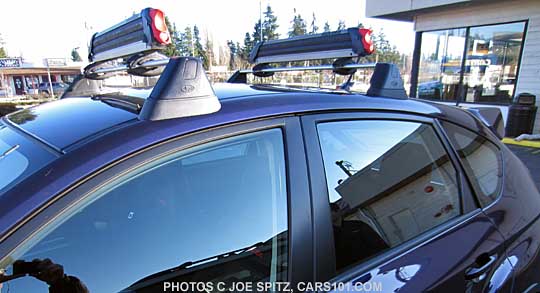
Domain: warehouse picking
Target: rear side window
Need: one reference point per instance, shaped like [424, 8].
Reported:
[195, 216]
[388, 182]
[481, 161]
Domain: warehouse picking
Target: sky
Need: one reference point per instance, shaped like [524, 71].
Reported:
[37, 29]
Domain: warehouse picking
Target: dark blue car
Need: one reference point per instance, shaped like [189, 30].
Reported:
[183, 186]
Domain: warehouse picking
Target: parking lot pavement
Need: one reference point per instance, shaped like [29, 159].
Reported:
[531, 158]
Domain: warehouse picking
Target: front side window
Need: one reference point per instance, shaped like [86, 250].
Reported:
[481, 161]
[388, 182]
[214, 213]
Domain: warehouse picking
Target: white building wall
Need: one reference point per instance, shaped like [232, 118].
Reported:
[492, 13]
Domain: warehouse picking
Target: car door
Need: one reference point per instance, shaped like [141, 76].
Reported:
[393, 211]
[505, 190]
[221, 208]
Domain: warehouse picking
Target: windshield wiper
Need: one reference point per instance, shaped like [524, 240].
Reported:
[189, 264]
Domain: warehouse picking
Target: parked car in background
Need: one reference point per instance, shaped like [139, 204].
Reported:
[430, 90]
[181, 181]
[57, 87]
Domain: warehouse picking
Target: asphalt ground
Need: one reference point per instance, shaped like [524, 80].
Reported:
[531, 157]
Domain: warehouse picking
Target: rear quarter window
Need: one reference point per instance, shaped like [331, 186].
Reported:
[481, 160]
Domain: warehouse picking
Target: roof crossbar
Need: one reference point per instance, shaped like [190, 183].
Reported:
[125, 67]
[386, 80]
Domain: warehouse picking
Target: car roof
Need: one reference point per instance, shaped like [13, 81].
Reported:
[91, 118]
[94, 133]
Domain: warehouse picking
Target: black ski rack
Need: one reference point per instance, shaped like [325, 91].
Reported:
[131, 46]
[343, 46]
[352, 42]
[143, 32]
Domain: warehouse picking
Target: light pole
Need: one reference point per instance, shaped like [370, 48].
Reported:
[49, 76]
[260, 22]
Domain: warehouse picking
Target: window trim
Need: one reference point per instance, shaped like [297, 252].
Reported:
[298, 199]
[324, 251]
[417, 54]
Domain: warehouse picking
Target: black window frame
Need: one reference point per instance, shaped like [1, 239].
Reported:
[417, 54]
[298, 198]
[324, 250]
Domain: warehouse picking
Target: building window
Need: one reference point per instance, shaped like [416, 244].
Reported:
[488, 70]
[440, 64]
[491, 64]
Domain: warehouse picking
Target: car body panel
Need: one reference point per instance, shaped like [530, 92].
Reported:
[516, 213]
[435, 261]
[95, 153]
[439, 264]
[97, 136]
[108, 147]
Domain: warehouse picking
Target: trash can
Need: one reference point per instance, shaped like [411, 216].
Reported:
[521, 115]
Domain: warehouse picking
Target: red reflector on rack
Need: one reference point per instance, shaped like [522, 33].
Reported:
[159, 27]
[367, 41]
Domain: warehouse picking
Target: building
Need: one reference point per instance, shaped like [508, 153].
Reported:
[471, 51]
[19, 77]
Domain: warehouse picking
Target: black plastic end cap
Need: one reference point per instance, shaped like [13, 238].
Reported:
[386, 82]
[183, 90]
[252, 58]
[238, 77]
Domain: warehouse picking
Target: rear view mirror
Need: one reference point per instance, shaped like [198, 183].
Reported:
[491, 117]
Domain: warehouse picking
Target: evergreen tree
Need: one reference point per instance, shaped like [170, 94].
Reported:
[186, 47]
[299, 26]
[75, 57]
[246, 48]
[341, 25]
[198, 49]
[384, 51]
[270, 25]
[313, 28]
[326, 28]
[256, 36]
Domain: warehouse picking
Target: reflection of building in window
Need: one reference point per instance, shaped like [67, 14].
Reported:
[481, 160]
[408, 190]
